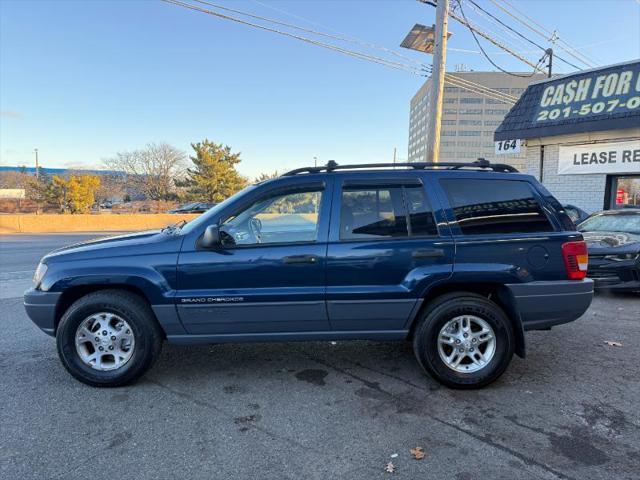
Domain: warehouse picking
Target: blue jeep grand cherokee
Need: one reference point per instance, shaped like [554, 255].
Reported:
[459, 259]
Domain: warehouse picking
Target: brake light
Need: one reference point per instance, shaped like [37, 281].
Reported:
[576, 259]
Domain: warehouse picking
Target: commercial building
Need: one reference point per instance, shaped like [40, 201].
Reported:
[469, 119]
[582, 136]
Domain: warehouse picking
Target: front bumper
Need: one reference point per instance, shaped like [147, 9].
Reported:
[612, 275]
[544, 304]
[41, 309]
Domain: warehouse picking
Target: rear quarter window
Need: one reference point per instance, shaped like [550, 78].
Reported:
[495, 206]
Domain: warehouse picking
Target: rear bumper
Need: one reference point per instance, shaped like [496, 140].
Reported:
[41, 309]
[544, 304]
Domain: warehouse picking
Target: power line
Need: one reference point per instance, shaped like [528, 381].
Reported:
[484, 35]
[473, 33]
[512, 37]
[517, 33]
[450, 81]
[337, 35]
[550, 36]
[361, 56]
[482, 87]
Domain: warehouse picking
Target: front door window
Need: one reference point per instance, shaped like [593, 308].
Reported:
[283, 218]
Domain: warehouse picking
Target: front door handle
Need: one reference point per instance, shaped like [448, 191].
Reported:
[300, 259]
[428, 253]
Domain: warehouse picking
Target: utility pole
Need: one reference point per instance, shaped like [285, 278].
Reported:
[437, 81]
[394, 154]
[549, 52]
[37, 165]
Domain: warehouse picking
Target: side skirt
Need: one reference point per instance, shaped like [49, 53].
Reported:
[379, 335]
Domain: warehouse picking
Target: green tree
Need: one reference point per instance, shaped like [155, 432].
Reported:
[214, 176]
[38, 189]
[81, 192]
[75, 194]
[263, 177]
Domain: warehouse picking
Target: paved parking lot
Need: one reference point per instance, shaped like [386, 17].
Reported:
[319, 410]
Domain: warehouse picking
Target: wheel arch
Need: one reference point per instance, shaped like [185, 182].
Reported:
[72, 294]
[495, 292]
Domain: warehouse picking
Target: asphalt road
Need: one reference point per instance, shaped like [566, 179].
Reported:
[319, 410]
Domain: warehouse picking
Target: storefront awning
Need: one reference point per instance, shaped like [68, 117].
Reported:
[595, 100]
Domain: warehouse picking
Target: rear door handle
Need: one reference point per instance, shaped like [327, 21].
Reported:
[428, 253]
[300, 259]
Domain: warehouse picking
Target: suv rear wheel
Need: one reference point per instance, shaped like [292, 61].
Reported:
[108, 338]
[464, 340]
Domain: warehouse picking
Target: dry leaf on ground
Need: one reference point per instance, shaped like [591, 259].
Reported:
[417, 453]
[390, 468]
[612, 344]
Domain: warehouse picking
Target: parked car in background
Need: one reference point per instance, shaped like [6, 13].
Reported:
[613, 240]
[194, 207]
[459, 259]
[575, 213]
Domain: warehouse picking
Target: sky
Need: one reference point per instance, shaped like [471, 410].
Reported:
[82, 80]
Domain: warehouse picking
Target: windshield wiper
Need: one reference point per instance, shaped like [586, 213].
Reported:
[174, 227]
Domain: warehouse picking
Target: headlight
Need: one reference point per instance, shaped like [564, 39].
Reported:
[38, 275]
[621, 257]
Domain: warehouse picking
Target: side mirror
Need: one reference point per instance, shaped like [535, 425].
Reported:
[211, 237]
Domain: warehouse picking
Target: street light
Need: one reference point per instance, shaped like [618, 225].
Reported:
[37, 165]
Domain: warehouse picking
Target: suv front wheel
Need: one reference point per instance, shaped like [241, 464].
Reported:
[464, 340]
[108, 338]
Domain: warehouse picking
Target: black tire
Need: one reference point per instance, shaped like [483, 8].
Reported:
[136, 312]
[437, 313]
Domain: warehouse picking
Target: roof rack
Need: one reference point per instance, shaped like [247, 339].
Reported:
[480, 164]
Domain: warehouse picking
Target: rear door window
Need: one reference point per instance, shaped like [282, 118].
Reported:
[372, 213]
[385, 212]
[495, 206]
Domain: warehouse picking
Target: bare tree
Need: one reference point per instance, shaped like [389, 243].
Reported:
[152, 170]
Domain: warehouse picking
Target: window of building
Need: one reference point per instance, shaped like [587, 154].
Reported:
[448, 133]
[472, 143]
[451, 89]
[470, 111]
[517, 91]
[470, 133]
[449, 112]
[450, 100]
[473, 155]
[493, 102]
[495, 206]
[447, 144]
[492, 123]
[470, 122]
[471, 100]
[496, 112]
[448, 122]
[381, 212]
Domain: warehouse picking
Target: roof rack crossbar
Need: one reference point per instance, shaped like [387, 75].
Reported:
[481, 164]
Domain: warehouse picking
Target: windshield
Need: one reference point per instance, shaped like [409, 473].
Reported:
[204, 219]
[628, 223]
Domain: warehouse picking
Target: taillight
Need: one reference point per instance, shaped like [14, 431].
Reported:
[576, 259]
